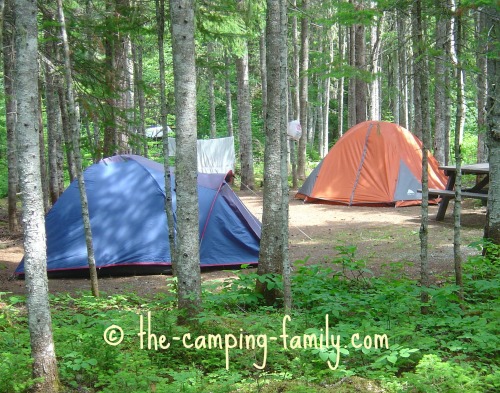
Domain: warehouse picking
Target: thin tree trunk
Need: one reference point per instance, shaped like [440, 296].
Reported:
[482, 92]
[459, 127]
[169, 209]
[402, 70]
[69, 148]
[295, 92]
[263, 73]
[53, 128]
[304, 91]
[326, 110]
[43, 162]
[10, 111]
[351, 93]
[418, 69]
[440, 87]
[340, 90]
[75, 133]
[139, 97]
[188, 255]
[35, 259]
[360, 63]
[211, 94]
[229, 101]
[421, 80]
[245, 122]
[375, 66]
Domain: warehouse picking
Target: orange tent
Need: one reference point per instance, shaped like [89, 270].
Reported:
[374, 163]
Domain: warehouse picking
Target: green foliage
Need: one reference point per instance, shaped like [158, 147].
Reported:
[376, 332]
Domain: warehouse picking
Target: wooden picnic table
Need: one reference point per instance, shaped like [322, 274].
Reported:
[479, 191]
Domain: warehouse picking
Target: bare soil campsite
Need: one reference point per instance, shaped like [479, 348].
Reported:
[383, 236]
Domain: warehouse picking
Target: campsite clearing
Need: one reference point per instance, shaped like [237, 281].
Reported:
[386, 237]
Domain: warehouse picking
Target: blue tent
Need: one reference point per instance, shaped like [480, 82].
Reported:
[126, 197]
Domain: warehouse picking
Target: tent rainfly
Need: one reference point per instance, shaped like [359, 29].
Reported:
[374, 163]
[126, 197]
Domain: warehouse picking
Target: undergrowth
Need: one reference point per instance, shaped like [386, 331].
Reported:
[346, 325]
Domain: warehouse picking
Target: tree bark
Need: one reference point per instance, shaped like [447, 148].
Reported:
[482, 92]
[263, 73]
[229, 101]
[245, 121]
[459, 127]
[340, 90]
[492, 230]
[10, 112]
[274, 241]
[54, 130]
[211, 94]
[423, 115]
[169, 209]
[304, 91]
[75, 136]
[139, 97]
[35, 259]
[188, 256]
[440, 129]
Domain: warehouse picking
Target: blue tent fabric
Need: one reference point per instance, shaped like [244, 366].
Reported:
[126, 198]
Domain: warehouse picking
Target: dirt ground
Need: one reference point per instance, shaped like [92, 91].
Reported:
[382, 236]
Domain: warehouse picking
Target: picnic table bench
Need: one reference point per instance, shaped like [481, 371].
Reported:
[479, 191]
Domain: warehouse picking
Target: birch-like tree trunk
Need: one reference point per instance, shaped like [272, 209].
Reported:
[35, 259]
[459, 127]
[211, 92]
[43, 162]
[295, 93]
[375, 38]
[54, 130]
[263, 73]
[440, 71]
[169, 209]
[10, 112]
[423, 115]
[304, 91]
[274, 241]
[402, 69]
[75, 134]
[139, 97]
[245, 121]
[418, 69]
[482, 91]
[492, 25]
[229, 100]
[340, 89]
[361, 95]
[188, 255]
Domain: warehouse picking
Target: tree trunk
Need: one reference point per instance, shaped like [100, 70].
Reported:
[211, 94]
[274, 240]
[229, 101]
[43, 162]
[139, 97]
[169, 209]
[340, 90]
[188, 256]
[402, 70]
[360, 63]
[245, 122]
[418, 69]
[459, 127]
[326, 109]
[54, 130]
[35, 259]
[351, 93]
[304, 91]
[10, 112]
[295, 92]
[482, 92]
[423, 115]
[68, 143]
[375, 68]
[440, 129]
[263, 73]
[492, 230]
[75, 134]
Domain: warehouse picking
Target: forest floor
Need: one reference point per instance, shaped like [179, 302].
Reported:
[384, 237]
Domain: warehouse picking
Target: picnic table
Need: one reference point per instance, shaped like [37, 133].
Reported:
[479, 191]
